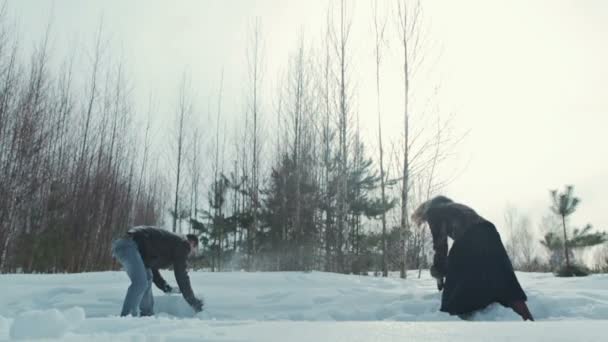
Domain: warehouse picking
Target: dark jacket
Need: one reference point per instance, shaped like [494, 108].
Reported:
[160, 249]
[446, 218]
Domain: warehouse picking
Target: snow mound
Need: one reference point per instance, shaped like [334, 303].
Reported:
[45, 324]
[74, 315]
[5, 324]
[173, 305]
[494, 312]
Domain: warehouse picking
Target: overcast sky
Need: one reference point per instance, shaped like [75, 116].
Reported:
[525, 78]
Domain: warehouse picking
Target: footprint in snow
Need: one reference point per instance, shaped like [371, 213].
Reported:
[273, 296]
[64, 291]
[322, 300]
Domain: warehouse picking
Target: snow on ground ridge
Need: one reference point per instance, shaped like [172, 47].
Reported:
[240, 301]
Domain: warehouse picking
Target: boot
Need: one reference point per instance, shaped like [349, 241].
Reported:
[520, 307]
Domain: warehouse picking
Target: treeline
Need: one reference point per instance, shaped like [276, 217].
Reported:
[295, 185]
[318, 195]
[73, 174]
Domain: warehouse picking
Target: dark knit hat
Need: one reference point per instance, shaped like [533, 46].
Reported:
[192, 238]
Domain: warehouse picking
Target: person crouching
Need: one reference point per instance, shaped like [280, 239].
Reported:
[142, 252]
[477, 271]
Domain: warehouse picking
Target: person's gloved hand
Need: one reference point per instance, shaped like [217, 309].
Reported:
[439, 276]
[170, 289]
[436, 272]
[197, 305]
[439, 284]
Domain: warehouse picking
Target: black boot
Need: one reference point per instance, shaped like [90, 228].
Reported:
[521, 309]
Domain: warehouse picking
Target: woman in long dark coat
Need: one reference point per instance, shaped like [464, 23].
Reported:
[477, 271]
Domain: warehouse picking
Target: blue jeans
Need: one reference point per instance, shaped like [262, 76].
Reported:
[139, 294]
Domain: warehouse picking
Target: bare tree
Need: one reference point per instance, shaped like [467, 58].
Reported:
[520, 238]
[138, 216]
[184, 109]
[297, 117]
[255, 63]
[299, 107]
[425, 239]
[97, 56]
[510, 217]
[195, 174]
[379, 29]
[340, 44]
[327, 139]
[217, 169]
[66, 187]
[407, 24]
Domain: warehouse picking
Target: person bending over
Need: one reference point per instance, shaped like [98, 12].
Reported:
[142, 252]
[477, 271]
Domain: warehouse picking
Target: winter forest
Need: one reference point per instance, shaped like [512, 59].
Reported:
[303, 170]
[302, 176]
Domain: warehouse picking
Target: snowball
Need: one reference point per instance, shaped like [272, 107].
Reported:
[45, 324]
[39, 324]
[74, 316]
[4, 323]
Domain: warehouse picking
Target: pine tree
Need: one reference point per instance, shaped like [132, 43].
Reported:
[565, 204]
[293, 238]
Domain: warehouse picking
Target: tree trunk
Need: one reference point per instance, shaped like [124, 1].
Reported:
[566, 242]
[404, 189]
[379, 31]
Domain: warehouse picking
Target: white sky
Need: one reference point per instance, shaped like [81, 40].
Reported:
[526, 78]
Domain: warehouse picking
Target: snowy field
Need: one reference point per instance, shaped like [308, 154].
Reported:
[293, 307]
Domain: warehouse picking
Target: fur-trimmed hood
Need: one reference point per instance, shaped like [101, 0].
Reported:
[442, 211]
[446, 218]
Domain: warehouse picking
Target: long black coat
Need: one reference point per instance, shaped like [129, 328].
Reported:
[477, 270]
[161, 249]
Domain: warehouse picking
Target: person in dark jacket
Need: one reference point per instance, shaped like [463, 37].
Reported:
[145, 250]
[477, 271]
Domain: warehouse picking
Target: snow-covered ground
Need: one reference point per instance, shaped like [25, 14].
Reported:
[293, 306]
